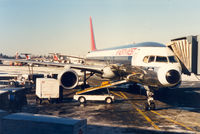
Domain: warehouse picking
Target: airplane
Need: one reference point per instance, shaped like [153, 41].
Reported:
[27, 55]
[150, 64]
[57, 57]
[17, 56]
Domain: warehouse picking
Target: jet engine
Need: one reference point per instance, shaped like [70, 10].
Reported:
[68, 79]
[108, 73]
[170, 76]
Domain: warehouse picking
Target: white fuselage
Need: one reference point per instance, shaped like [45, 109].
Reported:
[147, 59]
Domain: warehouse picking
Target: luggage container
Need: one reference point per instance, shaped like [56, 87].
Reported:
[13, 98]
[47, 89]
[4, 99]
[24, 123]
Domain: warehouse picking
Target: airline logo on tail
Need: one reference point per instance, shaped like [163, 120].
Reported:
[93, 46]
[55, 57]
[27, 57]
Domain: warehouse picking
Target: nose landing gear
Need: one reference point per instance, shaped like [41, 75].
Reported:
[150, 104]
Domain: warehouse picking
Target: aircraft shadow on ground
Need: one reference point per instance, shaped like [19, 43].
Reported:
[186, 98]
[180, 97]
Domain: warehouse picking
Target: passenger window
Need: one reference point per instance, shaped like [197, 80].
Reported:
[161, 59]
[145, 60]
[172, 59]
[151, 59]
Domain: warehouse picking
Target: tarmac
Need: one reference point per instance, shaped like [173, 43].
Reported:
[177, 110]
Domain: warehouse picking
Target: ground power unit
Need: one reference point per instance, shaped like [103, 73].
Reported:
[47, 89]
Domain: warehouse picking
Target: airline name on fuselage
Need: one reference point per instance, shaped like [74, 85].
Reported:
[125, 51]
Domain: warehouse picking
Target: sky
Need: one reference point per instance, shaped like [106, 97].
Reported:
[62, 26]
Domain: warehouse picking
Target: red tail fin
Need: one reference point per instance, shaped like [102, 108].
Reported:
[55, 57]
[27, 57]
[93, 46]
[17, 55]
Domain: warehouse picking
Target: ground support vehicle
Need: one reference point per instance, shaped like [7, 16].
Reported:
[97, 95]
[47, 89]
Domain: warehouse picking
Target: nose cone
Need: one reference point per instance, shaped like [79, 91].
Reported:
[173, 76]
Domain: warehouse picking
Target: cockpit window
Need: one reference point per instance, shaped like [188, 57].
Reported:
[172, 59]
[151, 59]
[146, 59]
[161, 59]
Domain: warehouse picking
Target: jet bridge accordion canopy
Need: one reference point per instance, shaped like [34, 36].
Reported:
[187, 49]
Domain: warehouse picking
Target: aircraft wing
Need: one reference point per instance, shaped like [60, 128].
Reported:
[91, 68]
[70, 56]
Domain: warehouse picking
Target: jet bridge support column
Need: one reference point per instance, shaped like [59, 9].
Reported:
[30, 69]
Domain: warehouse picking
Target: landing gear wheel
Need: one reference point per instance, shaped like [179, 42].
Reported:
[82, 100]
[147, 107]
[51, 101]
[38, 100]
[108, 100]
[152, 106]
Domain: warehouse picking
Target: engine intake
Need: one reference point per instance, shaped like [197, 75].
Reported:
[68, 79]
[173, 76]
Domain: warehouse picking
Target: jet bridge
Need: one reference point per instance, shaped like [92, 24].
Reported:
[187, 49]
[100, 87]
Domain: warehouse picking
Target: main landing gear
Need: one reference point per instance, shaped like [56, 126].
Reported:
[85, 78]
[150, 104]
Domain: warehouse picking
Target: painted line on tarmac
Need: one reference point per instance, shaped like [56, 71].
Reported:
[142, 113]
[169, 119]
[175, 122]
[124, 96]
[195, 123]
[116, 94]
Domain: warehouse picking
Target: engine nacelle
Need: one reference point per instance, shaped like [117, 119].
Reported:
[169, 76]
[108, 73]
[68, 79]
